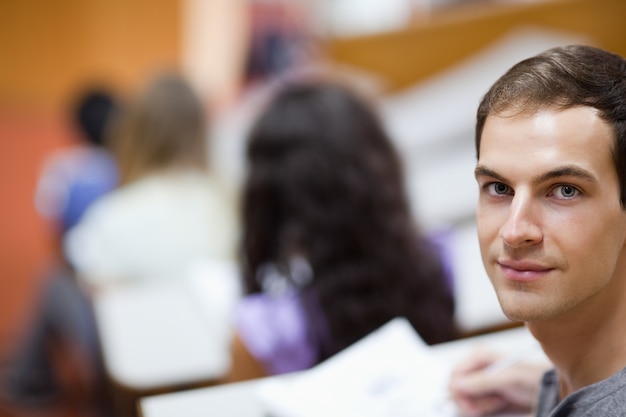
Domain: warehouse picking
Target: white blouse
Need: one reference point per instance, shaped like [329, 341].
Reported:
[154, 229]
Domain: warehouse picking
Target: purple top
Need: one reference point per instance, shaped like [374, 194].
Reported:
[274, 327]
[275, 331]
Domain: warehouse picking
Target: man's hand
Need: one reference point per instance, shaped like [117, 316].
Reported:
[479, 386]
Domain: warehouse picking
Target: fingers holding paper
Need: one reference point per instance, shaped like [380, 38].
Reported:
[488, 382]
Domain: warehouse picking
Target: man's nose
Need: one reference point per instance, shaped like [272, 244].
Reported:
[522, 227]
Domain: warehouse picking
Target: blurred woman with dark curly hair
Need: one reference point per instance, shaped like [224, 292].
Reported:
[330, 250]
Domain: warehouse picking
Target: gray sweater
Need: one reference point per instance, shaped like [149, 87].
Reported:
[606, 398]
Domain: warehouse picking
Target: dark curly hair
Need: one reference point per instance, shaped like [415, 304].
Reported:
[325, 183]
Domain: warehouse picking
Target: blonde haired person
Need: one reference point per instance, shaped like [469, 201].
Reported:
[169, 211]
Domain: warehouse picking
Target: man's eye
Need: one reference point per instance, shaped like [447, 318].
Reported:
[498, 188]
[566, 191]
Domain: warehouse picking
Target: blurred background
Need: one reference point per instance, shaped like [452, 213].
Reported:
[426, 62]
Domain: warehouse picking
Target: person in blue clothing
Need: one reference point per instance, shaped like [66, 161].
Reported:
[73, 178]
[330, 250]
[551, 217]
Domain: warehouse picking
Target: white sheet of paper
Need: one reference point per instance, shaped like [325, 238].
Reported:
[391, 372]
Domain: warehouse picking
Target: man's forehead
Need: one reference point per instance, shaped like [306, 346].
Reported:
[539, 126]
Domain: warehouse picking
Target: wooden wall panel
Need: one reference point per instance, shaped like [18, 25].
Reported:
[407, 56]
[50, 48]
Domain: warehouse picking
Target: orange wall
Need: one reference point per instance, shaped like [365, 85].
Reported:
[49, 49]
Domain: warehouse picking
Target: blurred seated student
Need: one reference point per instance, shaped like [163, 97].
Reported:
[169, 210]
[330, 251]
[73, 178]
[59, 337]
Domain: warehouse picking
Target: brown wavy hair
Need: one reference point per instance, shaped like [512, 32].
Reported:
[564, 77]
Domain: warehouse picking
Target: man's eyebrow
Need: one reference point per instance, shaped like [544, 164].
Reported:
[482, 171]
[564, 171]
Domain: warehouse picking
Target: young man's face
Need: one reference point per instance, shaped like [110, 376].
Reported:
[550, 225]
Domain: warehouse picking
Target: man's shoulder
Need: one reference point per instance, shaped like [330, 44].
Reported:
[604, 398]
[613, 405]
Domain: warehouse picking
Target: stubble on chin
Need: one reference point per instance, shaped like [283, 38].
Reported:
[518, 303]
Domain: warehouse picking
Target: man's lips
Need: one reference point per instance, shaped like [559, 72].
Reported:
[522, 270]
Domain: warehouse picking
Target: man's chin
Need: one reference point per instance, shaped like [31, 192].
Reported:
[516, 309]
[517, 316]
[525, 314]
